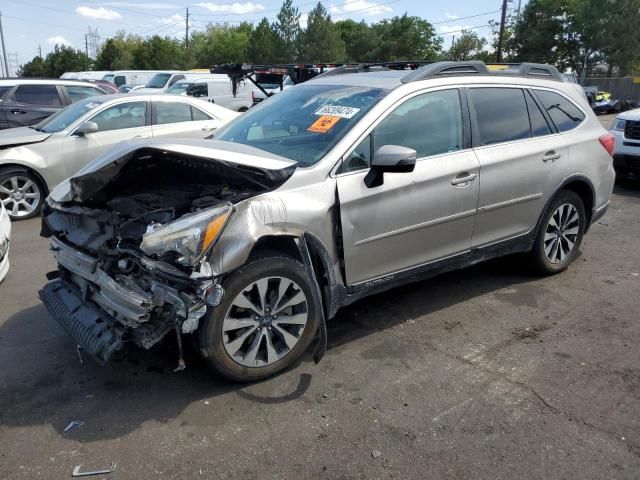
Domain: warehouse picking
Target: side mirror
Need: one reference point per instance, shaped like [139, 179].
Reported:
[390, 158]
[86, 128]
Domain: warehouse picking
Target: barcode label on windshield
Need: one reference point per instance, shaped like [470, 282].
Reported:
[337, 111]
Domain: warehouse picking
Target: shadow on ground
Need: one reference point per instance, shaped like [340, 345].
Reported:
[58, 388]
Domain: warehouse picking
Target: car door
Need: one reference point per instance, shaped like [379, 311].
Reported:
[176, 118]
[412, 218]
[29, 104]
[520, 155]
[116, 123]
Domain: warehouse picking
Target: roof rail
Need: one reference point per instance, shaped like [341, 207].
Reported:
[476, 67]
[375, 66]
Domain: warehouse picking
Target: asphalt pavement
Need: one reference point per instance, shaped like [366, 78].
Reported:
[484, 373]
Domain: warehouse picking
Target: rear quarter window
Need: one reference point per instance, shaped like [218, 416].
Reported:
[564, 114]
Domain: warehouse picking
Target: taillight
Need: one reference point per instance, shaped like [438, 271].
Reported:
[608, 141]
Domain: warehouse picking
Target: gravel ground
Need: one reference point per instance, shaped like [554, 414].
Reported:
[487, 372]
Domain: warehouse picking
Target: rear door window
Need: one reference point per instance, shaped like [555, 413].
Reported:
[564, 114]
[501, 114]
[46, 95]
[172, 112]
[4, 90]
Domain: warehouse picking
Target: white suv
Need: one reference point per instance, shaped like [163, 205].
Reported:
[626, 130]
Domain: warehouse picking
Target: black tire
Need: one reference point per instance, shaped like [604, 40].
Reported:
[539, 256]
[242, 109]
[210, 336]
[6, 176]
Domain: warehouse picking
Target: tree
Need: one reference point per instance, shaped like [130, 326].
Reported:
[287, 28]
[359, 39]
[263, 44]
[158, 53]
[62, 59]
[35, 68]
[321, 41]
[406, 38]
[467, 47]
[224, 45]
[117, 52]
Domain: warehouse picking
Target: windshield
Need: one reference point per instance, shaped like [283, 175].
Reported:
[65, 117]
[302, 123]
[180, 87]
[159, 80]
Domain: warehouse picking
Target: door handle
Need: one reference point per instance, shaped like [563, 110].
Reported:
[464, 179]
[550, 157]
[141, 136]
[208, 129]
[15, 112]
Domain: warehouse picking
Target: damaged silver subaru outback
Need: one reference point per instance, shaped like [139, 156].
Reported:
[349, 184]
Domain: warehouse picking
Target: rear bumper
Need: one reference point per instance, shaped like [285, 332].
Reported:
[101, 337]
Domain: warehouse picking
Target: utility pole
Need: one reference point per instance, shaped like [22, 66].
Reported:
[186, 32]
[503, 19]
[519, 7]
[453, 42]
[4, 49]
[40, 51]
[86, 45]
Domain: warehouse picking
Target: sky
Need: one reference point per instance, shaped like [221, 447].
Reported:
[33, 24]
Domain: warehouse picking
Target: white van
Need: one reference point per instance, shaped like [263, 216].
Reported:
[129, 77]
[216, 89]
[92, 75]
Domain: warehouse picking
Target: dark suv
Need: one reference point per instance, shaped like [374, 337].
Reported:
[25, 102]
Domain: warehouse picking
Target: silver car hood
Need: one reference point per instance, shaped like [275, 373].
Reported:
[98, 173]
[12, 137]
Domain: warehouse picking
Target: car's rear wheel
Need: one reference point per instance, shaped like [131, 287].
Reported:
[265, 322]
[560, 233]
[21, 193]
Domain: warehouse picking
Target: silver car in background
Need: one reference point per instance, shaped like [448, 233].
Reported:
[349, 184]
[35, 159]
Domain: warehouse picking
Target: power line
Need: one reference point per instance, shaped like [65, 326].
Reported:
[466, 29]
[464, 18]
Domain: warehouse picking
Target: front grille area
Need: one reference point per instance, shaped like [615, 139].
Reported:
[98, 337]
[632, 129]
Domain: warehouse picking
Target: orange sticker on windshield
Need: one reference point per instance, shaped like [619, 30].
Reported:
[323, 124]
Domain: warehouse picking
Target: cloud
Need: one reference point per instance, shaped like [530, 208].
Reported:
[304, 19]
[451, 16]
[172, 19]
[58, 40]
[447, 29]
[150, 6]
[100, 13]
[360, 6]
[239, 8]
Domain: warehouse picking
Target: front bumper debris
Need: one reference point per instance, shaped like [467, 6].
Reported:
[100, 337]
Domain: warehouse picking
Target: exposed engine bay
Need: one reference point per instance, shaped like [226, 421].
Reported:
[132, 246]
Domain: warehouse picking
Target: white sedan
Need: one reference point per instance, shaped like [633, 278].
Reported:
[5, 235]
[35, 159]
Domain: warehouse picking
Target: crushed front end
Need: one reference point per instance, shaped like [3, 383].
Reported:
[132, 239]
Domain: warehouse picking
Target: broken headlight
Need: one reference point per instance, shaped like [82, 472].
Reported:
[189, 236]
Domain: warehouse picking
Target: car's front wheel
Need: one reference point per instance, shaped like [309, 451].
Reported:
[560, 233]
[21, 193]
[265, 322]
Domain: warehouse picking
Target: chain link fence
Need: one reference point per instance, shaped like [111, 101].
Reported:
[624, 88]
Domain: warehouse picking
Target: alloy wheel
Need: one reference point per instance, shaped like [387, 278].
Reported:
[562, 233]
[265, 321]
[20, 195]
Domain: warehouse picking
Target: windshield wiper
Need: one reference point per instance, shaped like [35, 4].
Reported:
[36, 128]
